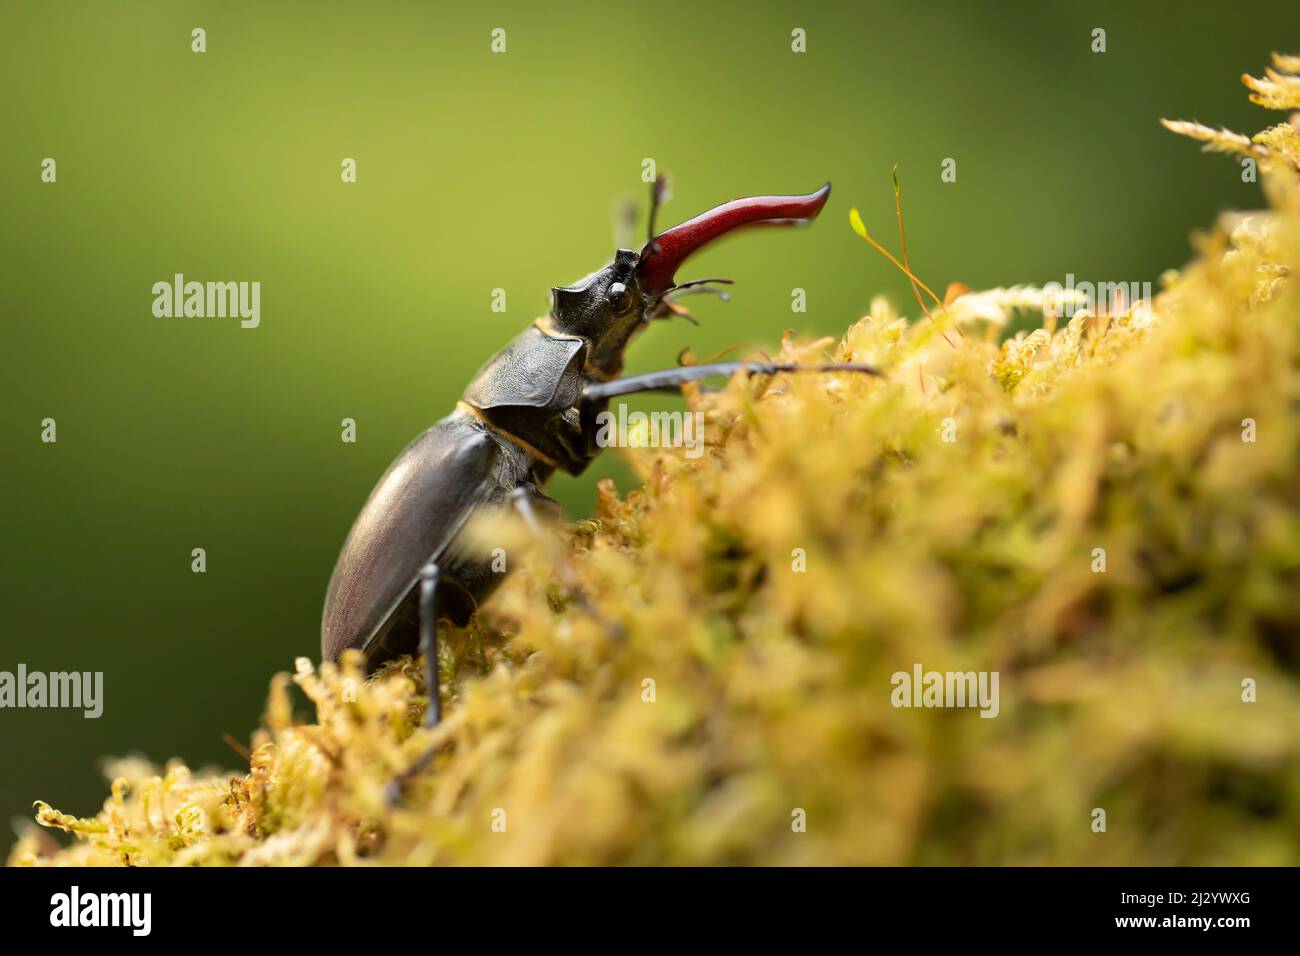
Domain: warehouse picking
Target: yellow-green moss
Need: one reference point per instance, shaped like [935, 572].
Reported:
[1119, 690]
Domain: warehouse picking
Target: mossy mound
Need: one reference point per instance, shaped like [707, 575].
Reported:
[1106, 513]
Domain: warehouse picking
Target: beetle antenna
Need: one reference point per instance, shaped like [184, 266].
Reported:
[669, 306]
[722, 294]
[694, 283]
[660, 191]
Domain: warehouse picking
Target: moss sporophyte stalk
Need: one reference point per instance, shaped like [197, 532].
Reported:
[1101, 508]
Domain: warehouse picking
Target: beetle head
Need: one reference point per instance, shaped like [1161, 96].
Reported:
[606, 308]
[609, 306]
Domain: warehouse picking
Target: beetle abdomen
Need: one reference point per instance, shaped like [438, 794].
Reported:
[411, 517]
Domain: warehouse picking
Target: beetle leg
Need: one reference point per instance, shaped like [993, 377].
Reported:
[428, 602]
[429, 641]
[524, 499]
[567, 429]
[670, 380]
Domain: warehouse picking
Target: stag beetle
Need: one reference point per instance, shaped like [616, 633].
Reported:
[531, 409]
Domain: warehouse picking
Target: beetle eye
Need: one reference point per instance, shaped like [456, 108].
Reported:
[620, 300]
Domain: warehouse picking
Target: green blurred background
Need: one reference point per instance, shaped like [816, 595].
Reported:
[476, 171]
